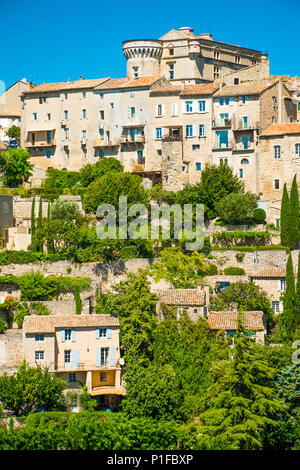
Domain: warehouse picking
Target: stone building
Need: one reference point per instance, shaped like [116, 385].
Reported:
[272, 281]
[194, 301]
[228, 321]
[81, 349]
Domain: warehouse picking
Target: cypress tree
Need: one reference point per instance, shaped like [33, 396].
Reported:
[284, 218]
[50, 247]
[297, 298]
[78, 303]
[288, 315]
[294, 215]
[33, 225]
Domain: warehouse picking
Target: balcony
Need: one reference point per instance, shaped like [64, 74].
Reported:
[219, 122]
[243, 147]
[222, 145]
[128, 139]
[240, 124]
[107, 142]
[40, 143]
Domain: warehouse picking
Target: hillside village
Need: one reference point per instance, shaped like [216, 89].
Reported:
[195, 121]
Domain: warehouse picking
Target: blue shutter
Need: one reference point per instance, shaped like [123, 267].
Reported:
[108, 334]
[98, 357]
[75, 358]
[62, 335]
[97, 333]
[73, 334]
[112, 356]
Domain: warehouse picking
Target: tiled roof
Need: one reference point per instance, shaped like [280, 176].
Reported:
[10, 112]
[199, 89]
[116, 83]
[269, 272]
[182, 296]
[47, 324]
[166, 89]
[282, 129]
[247, 88]
[227, 320]
[64, 86]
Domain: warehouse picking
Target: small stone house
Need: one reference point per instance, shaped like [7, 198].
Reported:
[272, 281]
[227, 320]
[194, 301]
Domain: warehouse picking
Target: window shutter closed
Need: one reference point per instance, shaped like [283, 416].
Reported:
[207, 105]
[73, 334]
[62, 336]
[195, 106]
[175, 109]
[156, 110]
[98, 357]
[75, 358]
[163, 109]
[62, 97]
[108, 333]
[62, 115]
[154, 133]
[97, 333]
[279, 284]
[81, 114]
[194, 130]
[183, 107]
[280, 306]
[112, 359]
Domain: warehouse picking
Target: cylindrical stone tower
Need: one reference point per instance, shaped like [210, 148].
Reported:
[143, 57]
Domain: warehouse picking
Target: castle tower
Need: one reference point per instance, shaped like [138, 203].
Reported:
[143, 57]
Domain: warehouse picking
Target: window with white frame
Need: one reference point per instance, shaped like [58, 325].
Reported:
[103, 376]
[35, 117]
[281, 285]
[84, 114]
[277, 306]
[67, 334]
[5, 208]
[66, 114]
[67, 356]
[188, 106]
[202, 105]
[189, 130]
[39, 355]
[103, 356]
[171, 71]
[158, 133]
[159, 110]
[202, 130]
[39, 337]
[297, 150]
[102, 332]
[277, 151]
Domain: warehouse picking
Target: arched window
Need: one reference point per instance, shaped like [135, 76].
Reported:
[245, 161]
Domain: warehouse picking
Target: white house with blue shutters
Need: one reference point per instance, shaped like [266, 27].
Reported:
[81, 349]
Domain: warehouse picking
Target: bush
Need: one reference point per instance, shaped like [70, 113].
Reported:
[233, 271]
[3, 325]
[259, 214]
[26, 257]
[128, 252]
[213, 270]
[239, 237]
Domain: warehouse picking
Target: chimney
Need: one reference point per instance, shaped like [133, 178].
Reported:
[81, 78]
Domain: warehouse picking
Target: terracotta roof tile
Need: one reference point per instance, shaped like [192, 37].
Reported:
[199, 89]
[182, 296]
[10, 112]
[166, 89]
[246, 88]
[282, 129]
[77, 84]
[48, 324]
[116, 83]
[270, 272]
[226, 320]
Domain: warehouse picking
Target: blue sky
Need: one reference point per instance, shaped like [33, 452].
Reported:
[53, 41]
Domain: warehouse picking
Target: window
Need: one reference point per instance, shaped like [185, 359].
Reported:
[83, 95]
[159, 110]
[198, 166]
[72, 377]
[112, 105]
[83, 134]
[236, 81]
[35, 116]
[135, 72]
[103, 376]
[102, 332]
[282, 285]
[277, 151]
[237, 59]
[101, 96]
[141, 159]
[195, 147]
[241, 173]
[66, 114]
[158, 133]
[39, 355]
[188, 106]
[101, 114]
[276, 306]
[48, 117]
[297, 150]
[276, 184]
[202, 130]
[245, 161]
[171, 71]
[216, 72]
[39, 337]
[217, 54]
[243, 99]
[67, 356]
[43, 99]
[225, 101]
[274, 100]
[201, 106]
[84, 114]
[67, 334]
[103, 356]
[5, 208]
[171, 51]
[183, 168]
[189, 131]
[132, 112]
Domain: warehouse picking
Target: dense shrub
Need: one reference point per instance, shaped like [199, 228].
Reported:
[27, 257]
[233, 271]
[239, 237]
[259, 214]
[3, 325]
[128, 252]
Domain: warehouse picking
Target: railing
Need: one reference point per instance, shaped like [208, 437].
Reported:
[241, 146]
[172, 138]
[106, 143]
[132, 140]
[219, 122]
[239, 124]
[220, 146]
[40, 143]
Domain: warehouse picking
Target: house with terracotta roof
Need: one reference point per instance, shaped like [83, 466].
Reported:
[194, 301]
[253, 322]
[81, 349]
[271, 280]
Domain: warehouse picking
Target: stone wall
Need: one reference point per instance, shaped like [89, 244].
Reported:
[11, 354]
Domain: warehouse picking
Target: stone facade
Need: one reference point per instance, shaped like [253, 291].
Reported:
[11, 352]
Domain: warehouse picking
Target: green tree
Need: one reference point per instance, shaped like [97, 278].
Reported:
[108, 189]
[243, 404]
[91, 172]
[236, 207]
[288, 317]
[180, 269]
[297, 303]
[246, 296]
[294, 215]
[284, 218]
[15, 167]
[33, 246]
[39, 234]
[31, 387]
[13, 132]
